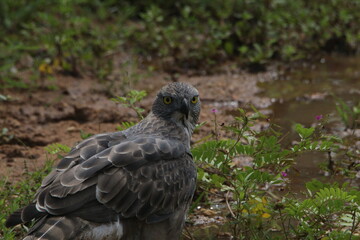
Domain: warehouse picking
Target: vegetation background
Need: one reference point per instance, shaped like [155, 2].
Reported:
[59, 57]
[171, 35]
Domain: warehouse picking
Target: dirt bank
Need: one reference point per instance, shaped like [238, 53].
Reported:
[38, 117]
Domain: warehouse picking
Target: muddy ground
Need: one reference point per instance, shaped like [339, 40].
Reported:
[38, 117]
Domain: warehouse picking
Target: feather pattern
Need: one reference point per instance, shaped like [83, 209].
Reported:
[144, 174]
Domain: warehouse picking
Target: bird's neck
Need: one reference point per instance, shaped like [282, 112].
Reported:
[157, 126]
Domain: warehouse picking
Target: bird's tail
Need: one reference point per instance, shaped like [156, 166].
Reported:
[24, 215]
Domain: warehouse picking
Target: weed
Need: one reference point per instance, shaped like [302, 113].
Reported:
[85, 135]
[350, 115]
[254, 208]
[16, 195]
[130, 101]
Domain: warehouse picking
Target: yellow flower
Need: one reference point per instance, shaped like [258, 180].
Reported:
[46, 68]
[42, 67]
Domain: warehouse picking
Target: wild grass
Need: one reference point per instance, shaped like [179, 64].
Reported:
[83, 37]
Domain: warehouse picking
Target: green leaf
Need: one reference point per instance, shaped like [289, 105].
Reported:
[85, 135]
[57, 148]
[304, 132]
[125, 125]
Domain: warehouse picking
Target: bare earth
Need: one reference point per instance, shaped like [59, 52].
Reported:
[41, 116]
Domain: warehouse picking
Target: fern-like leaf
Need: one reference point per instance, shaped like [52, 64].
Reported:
[125, 125]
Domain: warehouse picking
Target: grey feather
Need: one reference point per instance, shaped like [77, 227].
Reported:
[143, 177]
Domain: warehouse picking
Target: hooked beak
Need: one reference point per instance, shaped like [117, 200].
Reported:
[185, 109]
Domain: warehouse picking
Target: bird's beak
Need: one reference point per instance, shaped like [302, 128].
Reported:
[185, 109]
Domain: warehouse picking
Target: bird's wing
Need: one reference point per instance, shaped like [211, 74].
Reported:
[151, 192]
[82, 152]
[146, 177]
[79, 154]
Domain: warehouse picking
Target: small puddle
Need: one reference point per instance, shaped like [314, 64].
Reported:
[337, 75]
[306, 92]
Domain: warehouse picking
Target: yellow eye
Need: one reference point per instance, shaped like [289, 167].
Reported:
[167, 100]
[195, 99]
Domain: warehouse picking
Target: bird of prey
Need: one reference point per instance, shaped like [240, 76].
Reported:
[133, 184]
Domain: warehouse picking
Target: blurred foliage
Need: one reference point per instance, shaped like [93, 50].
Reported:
[350, 115]
[81, 36]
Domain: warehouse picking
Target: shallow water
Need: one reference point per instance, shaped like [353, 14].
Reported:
[306, 92]
[337, 75]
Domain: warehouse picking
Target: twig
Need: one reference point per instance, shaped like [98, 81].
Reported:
[216, 128]
[189, 234]
[330, 163]
[283, 225]
[354, 225]
[228, 205]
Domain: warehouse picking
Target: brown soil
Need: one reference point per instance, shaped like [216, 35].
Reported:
[39, 117]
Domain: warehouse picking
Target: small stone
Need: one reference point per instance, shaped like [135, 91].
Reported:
[207, 212]
[72, 129]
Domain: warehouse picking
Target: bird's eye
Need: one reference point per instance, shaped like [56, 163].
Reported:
[167, 100]
[195, 99]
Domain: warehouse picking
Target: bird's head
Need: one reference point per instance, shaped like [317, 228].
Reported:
[178, 102]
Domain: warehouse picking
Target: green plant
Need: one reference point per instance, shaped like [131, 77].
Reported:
[219, 167]
[85, 135]
[248, 165]
[15, 195]
[83, 37]
[125, 125]
[50, 38]
[350, 115]
[199, 34]
[58, 149]
[130, 101]
[328, 212]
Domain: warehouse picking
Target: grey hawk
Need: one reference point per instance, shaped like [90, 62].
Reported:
[133, 184]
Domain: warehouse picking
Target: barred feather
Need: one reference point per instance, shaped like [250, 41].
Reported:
[134, 184]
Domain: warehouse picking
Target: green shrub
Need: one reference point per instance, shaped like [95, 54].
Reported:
[82, 37]
[255, 210]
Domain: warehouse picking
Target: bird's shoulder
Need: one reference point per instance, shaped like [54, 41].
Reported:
[120, 172]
